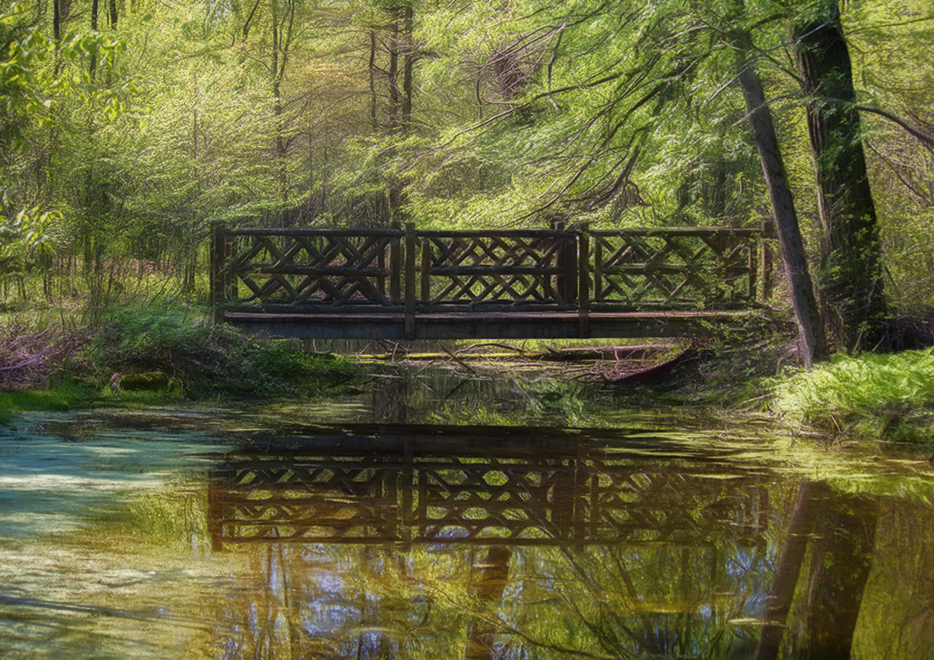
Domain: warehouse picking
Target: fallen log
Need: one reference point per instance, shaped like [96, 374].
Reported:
[636, 374]
[605, 353]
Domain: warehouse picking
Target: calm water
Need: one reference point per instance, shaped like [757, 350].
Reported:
[443, 518]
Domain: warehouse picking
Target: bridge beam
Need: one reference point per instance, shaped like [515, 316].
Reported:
[494, 325]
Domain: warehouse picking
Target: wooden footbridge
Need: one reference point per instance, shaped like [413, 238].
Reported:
[404, 283]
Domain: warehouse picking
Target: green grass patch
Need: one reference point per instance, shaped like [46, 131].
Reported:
[63, 396]
[883, 396]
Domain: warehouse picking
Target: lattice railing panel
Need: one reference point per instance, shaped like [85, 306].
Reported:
[671, 268]
[323, 267]
[284, 500]
[494, 268]
[435, 271]
[522, 501]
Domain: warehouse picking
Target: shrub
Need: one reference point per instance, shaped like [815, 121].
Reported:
[890, 396]
[206, 358]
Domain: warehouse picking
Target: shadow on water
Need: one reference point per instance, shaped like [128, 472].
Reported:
[416, 534]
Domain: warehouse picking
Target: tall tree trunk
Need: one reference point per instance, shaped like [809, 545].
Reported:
[494, 574]
[374, 104]
[283, 19]
[787, 571]
[807, 313]
[408, 63]
[841, 559]
[392, 74]
[94, 13]
[57, 23]
[851, 262]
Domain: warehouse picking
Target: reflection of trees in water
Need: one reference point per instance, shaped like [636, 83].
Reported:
[664, 601]
[574, 551]
[896, 618]
[443, 395]
[830, 542]
[607, 601]
[669, 557]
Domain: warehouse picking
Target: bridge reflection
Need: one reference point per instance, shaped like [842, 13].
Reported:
[502, 486]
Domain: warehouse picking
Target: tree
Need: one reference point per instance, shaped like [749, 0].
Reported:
[851, 281]
[794, 258]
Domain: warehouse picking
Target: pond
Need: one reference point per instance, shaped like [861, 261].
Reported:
[444, 517]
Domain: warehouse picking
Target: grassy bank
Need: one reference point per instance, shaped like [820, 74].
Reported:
[876, 396]
[162, 351]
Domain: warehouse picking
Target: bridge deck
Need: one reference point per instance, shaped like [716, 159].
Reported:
[493, 325]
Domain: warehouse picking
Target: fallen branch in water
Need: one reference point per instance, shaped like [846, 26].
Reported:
[606, 353]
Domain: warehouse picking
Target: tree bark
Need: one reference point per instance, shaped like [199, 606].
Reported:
[807, 313]
[92, 67]
[851, 284]
[374, 122]
[786, 573]
[494, 574]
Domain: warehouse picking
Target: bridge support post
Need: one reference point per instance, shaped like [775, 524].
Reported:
[395, 267]
[583, 297]
[408, 331]
[218, 278]
[570, 268]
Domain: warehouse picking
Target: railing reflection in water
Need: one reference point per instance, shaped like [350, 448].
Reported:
[503, 486]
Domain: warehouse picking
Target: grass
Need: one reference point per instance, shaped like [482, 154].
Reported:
[880, 396]
[167, 342]
[63, 397]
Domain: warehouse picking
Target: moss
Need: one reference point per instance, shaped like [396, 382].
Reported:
[203, 359]
[164, 351]
[149, 380]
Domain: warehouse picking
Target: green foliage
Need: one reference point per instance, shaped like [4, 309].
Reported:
[887, 396]
[205, 358]
[522, 112]
[24, 237]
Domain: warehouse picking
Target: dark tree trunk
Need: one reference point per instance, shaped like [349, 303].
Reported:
[786, 573]
[392, 75]
[408, 63]
[374, 122]
[494, 574]
[851, 261]
[92, 68]
[841, 559]
[807, 313]
[57, 22]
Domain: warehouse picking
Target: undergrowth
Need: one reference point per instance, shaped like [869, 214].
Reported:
[206, 359]
[885, 396]
[195, 358]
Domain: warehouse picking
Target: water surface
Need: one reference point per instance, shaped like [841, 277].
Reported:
[441, 518]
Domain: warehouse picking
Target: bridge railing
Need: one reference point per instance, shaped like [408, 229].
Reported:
[495, 269]
[395, 269]
[716, 268]
[288, 268]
